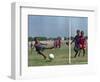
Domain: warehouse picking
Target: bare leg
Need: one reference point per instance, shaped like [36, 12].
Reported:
[42, 54]
[49, 47]
[79, 52]
[83, 52]
[76, 52]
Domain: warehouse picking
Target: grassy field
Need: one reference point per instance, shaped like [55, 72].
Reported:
[79, 59]
[61, 57]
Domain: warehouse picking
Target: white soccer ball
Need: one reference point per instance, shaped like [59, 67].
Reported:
[51, 56]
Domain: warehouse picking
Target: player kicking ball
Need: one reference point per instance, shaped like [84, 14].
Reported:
[40, 47]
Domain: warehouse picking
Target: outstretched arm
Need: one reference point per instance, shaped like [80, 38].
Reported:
[73, 40]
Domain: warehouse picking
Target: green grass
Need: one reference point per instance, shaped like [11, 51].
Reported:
[61, 57]
[79, 59]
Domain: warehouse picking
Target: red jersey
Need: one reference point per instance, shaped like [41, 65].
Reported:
[82, 42]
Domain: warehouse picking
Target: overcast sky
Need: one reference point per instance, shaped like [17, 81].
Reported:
[54, 26]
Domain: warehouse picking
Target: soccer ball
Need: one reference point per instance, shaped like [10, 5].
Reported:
[51, 56]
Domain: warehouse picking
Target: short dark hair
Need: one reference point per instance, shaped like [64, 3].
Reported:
[82, 32]
[78, 30]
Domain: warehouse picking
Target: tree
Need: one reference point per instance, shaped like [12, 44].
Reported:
[30, 38]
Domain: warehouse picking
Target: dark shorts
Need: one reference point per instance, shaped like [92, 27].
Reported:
[40, 48]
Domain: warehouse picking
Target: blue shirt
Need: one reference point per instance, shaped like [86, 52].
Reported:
[76, 40]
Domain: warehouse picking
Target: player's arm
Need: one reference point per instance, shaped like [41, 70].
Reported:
[85, 42]
[73, 40]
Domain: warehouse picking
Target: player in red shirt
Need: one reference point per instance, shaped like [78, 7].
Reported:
[82, 43]
[57, 42]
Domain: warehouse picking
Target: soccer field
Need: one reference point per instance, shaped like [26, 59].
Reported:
[61, 57]
[79, 59]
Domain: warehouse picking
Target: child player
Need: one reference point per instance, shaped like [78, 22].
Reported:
[82, 42]
[76, 41]
[40, 47]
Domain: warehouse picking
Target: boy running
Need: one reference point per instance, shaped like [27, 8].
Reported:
[76, 41]
[82, 43]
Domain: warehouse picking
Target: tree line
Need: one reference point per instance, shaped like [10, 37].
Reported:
[51, 38]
